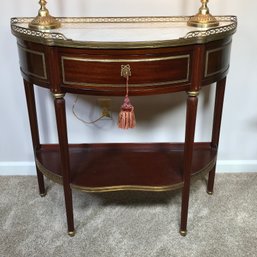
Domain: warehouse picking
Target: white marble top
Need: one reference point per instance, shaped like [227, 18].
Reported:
[123, 30]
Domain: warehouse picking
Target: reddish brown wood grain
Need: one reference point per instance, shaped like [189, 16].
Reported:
[32, 112]
[108, 165]
[156, 70]
[68, 70]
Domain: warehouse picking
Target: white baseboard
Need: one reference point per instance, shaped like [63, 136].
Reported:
[236, 166]
[28, 168]
[17, 169]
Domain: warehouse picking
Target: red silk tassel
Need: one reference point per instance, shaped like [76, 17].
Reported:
[126, 118]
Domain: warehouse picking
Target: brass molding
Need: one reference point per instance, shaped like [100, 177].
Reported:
[193, 93]
[203, 19]
[127, 188]
[58, 95]
[44, 21]
[205, 170]
[49, 174]
[153, 59]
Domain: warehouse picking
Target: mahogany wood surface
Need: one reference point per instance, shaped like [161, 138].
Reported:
[64, 159]
[109, 167]
[188, 156]
[31, 105]
[219, 99]
[94, 166]
[97, 71]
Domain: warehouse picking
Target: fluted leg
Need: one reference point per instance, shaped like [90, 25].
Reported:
[220, 91]
[192, 101]
[65, 160]
[30, 97]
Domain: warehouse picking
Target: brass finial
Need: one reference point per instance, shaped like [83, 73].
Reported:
[44, 20]
[203, 19]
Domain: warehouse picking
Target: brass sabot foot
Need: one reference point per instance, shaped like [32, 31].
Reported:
[203, 19]
[71, 233]
[183, 232]
[43, 195]
[44, 21]
[209, 192]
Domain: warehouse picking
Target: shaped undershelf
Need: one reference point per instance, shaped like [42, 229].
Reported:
[130, 166]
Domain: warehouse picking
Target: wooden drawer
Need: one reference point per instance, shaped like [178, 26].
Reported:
[217, 59]
[147, 71]
[33, 62]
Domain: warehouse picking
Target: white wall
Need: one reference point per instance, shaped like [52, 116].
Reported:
[159, 118]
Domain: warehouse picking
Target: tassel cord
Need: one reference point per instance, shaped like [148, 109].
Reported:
[127, 86]
[127, 116]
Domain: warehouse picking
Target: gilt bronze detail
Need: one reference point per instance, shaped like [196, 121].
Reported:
[71, 233]
[203, 19]
[44, 21]
[183, 232]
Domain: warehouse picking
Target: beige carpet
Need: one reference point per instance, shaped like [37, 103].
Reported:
[130, 224]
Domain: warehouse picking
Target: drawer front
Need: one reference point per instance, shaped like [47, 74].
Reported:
[32, 63]
[147, 71]
[217, 60]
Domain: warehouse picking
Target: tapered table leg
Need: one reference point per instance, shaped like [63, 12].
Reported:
[30, 97]
[219, 99]
[192, 101]
[211, 179]
[65, 160]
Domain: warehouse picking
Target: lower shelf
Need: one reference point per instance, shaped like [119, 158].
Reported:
[113, 167]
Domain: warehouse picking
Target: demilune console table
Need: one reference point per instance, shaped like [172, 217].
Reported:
[85, 56]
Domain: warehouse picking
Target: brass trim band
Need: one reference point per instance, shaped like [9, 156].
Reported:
[193, 93]
[156, 59]
[127, 188]
[58, 95]
[49, 174]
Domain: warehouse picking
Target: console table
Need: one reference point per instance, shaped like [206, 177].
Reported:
[85, 56]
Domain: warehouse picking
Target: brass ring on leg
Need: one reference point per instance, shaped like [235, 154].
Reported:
[71, 233]
[183, 232]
